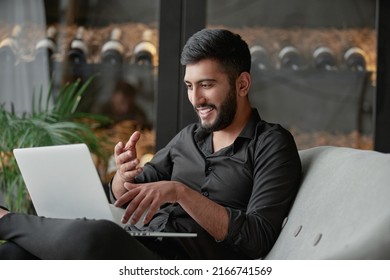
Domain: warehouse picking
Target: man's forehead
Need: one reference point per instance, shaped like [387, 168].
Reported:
[203, 70]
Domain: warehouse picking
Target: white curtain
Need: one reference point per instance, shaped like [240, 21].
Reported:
[19, 78]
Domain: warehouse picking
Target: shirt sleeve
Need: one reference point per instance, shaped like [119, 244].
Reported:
[276, 177]
[160, 167]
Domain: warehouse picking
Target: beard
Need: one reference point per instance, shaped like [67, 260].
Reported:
[226, 113]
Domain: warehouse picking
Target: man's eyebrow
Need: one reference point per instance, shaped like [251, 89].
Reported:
[202, 80]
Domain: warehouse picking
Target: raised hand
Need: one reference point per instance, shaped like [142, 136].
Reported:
[127, 164]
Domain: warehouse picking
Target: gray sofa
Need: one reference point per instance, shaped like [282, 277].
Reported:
[342, 210]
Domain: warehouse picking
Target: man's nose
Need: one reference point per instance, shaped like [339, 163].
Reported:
[197, 96]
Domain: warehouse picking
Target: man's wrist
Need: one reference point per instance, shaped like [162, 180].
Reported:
[180, 191]
[116, 186]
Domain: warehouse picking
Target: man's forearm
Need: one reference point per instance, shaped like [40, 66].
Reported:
[213, 217]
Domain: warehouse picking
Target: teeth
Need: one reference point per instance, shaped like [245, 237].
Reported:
[205, 109]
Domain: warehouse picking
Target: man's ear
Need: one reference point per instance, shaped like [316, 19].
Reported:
[243, 83]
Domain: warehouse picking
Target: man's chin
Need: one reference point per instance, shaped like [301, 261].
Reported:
[207, 126]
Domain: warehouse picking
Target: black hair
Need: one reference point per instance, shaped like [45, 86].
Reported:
[222, 45]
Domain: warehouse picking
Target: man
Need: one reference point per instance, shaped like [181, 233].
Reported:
[231, 178]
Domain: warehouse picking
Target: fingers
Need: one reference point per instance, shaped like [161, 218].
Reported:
[118, 149]
[153, 208]
[135, 210]
[143, 213]
[139, 213]
[129, 196]
[129, 170]
[146, 197]
[131, 144]
[130, 148]
[142, 206]
[126, 158]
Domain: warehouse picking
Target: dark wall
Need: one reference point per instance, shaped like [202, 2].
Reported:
[103, 12]
[382, 110]
[293, 13]
[275, 13]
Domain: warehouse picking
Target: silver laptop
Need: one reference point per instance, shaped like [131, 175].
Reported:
[63, 183]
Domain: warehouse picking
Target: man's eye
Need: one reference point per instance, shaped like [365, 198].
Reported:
[206, 85]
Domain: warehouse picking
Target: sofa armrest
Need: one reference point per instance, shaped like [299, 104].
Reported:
[342, 208]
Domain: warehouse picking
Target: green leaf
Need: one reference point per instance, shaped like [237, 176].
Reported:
[54, 121]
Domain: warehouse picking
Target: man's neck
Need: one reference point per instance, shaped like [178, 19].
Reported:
[228, 135]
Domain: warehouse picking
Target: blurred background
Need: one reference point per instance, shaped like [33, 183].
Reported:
[319, 67]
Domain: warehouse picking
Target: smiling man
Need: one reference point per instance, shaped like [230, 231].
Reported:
[231, 177]
[221, 102]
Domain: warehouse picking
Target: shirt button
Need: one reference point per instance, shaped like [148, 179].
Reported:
[206, 194]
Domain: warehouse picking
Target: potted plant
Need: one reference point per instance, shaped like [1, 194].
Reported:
[53, 120]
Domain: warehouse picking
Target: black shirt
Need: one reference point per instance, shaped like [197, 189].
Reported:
[256, 179]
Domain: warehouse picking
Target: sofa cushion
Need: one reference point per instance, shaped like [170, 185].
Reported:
[342, 209]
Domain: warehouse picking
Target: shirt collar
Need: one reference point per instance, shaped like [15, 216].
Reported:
[249, 130]
[203, 139]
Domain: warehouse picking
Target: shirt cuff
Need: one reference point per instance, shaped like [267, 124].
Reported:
[112, 198]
